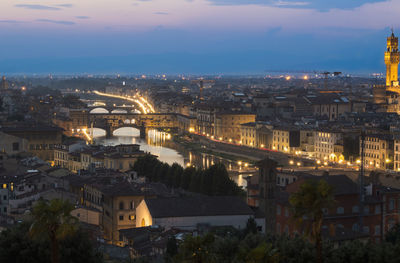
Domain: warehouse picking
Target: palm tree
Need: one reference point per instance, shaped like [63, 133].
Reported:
[308, 205]
[53, 220]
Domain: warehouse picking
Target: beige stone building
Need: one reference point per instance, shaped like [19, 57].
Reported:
[227, 125]
[186, 123]
[396, 155]
[41, 139]
[87, 215]
[378, 151]
[286, 139]
[281, 140]
[119, 204]
[11, 144]
[256, 134]
[248, 134]
[328, 146]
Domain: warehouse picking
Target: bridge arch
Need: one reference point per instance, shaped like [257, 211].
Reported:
[98, 110]
[98, 132]
[127, 131]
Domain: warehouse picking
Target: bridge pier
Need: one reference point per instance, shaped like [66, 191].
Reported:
[109, 131]
[143, 132]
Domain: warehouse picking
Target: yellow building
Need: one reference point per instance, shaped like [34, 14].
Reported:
[392, 63]
[396, 159]
[122, 157]
[280, 140]
[61, 157]
[378, 151]
[286, 139]
[41, 139]
[388, 95]
[227, 125]
[248, 134]
[87, 215]
[74, 162]
[328, 146]
[120, 202]
[186, 123]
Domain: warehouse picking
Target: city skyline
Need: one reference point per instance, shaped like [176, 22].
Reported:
[203, 37]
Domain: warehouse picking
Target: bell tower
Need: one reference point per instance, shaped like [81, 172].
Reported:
[392, 63]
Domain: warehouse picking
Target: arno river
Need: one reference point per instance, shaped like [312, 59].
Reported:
[160, 144]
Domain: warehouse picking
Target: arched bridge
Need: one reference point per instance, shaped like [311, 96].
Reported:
[110, 121]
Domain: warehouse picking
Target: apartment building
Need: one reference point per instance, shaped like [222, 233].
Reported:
[328, 146]
[285, 139]
[378, 151]
[228, 125]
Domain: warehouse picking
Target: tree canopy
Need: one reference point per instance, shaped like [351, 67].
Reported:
[308, 205]
[212, 181]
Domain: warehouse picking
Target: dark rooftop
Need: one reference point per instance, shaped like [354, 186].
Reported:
[197, 206]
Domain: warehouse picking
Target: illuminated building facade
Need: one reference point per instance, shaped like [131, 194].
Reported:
[387, 95]
[392, 64]
[328, 146]
[378, 151]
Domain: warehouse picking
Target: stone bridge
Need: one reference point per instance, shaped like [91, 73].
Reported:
[113, 109]
[110, 121]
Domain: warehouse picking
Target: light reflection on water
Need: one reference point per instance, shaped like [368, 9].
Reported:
[159, 144]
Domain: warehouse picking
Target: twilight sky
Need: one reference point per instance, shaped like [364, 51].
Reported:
[194, 36]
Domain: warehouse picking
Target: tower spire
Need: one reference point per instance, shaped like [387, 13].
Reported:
[392, 63]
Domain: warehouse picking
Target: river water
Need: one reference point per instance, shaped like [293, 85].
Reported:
[160, 144]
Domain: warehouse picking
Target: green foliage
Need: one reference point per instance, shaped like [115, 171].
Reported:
[53, 221]
[72, 101]
[308, 204]
[227, 246]
[78, 246]
[197, 249]
[393, 235]
[251, 226]
[172, 249]
[212, 181]
[260, 248]
[17, 245]
[264, 252]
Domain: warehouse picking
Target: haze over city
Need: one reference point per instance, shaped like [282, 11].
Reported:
[199, 131]
[199, 36]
